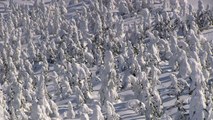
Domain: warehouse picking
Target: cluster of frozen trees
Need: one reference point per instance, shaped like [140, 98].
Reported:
[47, 52]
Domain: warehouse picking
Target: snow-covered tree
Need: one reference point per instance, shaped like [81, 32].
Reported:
[84, 116]
[85, 109]
[97, 114]
[123, 8]
[110, 111]
[70, 112]
[66, 89]
[197, 105]
[80, 96]
[184, 67]
[54, 108]
[137, 106]
[174, 4]
[109, 86]
[3, 112]
[183, 6]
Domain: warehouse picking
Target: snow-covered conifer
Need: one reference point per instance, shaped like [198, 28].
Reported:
[84, 116]
[66, 89]
[85, 109]
[137, 106]
[54, 108]
[97, 114]
[70, 112]
[73, 2]
[123, 8]
[80, 96]
[183, 6]
[197, 107]
[184, 67]
[174, 4]
[36, 112]
[110, 111]
[137, 5]
[154, 74]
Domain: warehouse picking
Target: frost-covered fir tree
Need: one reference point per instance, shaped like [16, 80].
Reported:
[137, 4]
[178, 85]
[154, 74]
[141, 86]
[110, 111]
[197, 105]
[123, 8]
[184, 67]
[137, 106]
[174, 4]
[73, 2]
[109, 86]
[70, 112]
[3, 113]
[66, 89]
[85, 109]
[152, 46]
[84, 116]
[183, 6]
[36, 111]
[97, 114]
[41, 96]
[80, 96]
[54, 109]
[55, 79]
